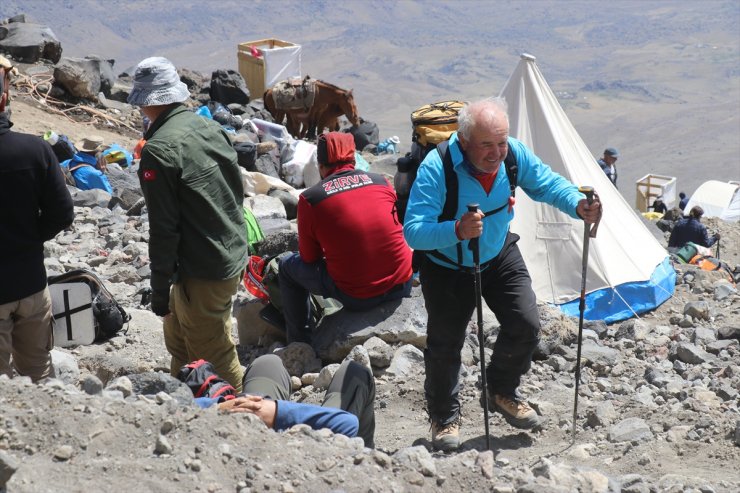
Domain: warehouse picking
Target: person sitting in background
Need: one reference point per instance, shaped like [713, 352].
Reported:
[683, 202]
[88, 166]
[659, 206]
[690, 229]
[347, 409]
[608, 164]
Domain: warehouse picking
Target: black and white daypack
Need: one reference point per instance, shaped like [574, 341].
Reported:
[84, 310]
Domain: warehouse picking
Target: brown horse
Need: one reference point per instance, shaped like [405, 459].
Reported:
[269, 102]
[329, 119]
[330, 102]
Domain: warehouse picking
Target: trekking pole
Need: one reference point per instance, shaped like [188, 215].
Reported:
[717, 248]
[589, 193]
[475, 247]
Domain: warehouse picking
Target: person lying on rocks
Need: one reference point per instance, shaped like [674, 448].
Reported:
[87, 166]
[351, 245]
[347, 409]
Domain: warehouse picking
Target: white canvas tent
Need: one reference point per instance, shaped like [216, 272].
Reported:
[718, 199]
[629, 272]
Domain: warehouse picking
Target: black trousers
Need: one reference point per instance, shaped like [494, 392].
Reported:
[449, 296]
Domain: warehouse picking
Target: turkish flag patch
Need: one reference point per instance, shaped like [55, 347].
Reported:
[149, 175]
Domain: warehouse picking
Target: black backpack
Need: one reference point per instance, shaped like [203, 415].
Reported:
[109, 316]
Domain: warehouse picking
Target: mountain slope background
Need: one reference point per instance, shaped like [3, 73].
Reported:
[660, 80]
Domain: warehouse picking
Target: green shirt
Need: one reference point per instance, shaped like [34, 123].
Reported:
[193, 191]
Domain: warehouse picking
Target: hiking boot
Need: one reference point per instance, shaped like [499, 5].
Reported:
[516, 412]
[446, 437]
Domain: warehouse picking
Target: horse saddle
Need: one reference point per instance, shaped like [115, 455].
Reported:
[294, 94]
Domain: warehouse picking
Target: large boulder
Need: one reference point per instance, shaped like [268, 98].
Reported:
[228, 86]
[85, 77]
[28, 42]
[402, 321]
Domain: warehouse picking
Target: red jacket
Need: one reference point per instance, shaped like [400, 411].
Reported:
[349, 218]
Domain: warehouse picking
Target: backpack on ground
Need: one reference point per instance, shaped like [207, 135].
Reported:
[203, 380]
[63, 148]
[76, 295]
[254, 231]
[686, 253]
[262, 280]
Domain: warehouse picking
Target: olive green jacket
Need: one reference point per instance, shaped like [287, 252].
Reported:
[193, 191]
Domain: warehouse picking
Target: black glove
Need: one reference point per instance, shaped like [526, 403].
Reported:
[161, 302]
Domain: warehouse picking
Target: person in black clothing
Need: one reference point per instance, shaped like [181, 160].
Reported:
[659, 206]
[690, 229]
[683, 202]
[35, 205]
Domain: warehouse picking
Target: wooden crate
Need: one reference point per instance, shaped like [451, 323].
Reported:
[253, 68]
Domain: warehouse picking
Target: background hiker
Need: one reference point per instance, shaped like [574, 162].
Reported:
[476, 152]
[348, 406]
[351, 243]
[88, 165]
[659, 206]
[608, 164]
[198, 242]
[684, 200]
[690, 229]
[35, 205]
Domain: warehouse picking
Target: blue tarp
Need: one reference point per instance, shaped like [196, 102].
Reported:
[87, 177]
[626, 300]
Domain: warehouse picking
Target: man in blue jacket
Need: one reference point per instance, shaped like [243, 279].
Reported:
[347, 409]
[477, 151]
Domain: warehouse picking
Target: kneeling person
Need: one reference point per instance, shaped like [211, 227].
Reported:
[351, 243]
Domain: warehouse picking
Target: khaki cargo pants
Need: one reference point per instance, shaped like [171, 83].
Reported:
[26, 334]
[199, 326]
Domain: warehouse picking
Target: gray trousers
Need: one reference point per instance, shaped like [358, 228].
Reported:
[352, 389]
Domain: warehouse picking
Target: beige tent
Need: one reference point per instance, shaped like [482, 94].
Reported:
[629, 272]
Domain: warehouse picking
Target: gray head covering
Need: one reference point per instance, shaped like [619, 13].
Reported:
[610, 151]
[156, 83]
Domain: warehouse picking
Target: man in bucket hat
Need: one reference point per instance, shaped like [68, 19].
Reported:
[198, 241]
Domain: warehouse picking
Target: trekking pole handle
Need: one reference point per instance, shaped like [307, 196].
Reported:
[473, 245]
[588, 192]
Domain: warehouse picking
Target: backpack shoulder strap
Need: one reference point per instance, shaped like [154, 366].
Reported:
[451, 197]
[512, 169]
[450, 207]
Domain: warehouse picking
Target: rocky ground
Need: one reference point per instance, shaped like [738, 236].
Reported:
[658, 404]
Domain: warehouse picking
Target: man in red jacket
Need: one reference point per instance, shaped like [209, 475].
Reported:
[351, 243]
